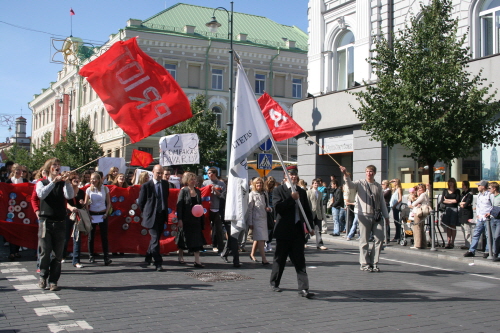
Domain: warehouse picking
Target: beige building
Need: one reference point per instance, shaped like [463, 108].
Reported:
[274, 57]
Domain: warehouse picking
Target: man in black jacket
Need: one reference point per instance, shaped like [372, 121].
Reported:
[338, 211]
[289, 232]
[153, 200]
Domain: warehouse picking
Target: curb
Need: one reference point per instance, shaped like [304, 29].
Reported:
[438, 254]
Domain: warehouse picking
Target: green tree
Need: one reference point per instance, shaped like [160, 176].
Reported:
[19, 155]
[211, 138]
[425, 99]
[79, 147]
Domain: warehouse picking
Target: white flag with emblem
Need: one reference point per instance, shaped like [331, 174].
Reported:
[249, 132]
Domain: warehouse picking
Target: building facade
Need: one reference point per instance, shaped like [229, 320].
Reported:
[274, 57]
[340, 41]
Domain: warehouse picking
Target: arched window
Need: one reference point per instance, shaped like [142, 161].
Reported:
[103, 121]
[345, 61]
[218, 116]
[95, 123]
[110, 122]
[489, 17]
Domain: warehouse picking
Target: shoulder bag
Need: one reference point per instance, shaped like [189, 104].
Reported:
[180, 239]
[377, 215]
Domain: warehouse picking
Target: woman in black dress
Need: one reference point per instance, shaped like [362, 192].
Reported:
[451, 199]
[193, 226]
[465, 213]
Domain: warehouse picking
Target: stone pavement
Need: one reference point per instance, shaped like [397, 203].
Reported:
[412, 293]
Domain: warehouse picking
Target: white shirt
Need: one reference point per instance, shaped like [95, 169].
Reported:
[43, 191]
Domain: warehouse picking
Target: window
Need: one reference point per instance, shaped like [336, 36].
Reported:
[297, 88]
[84, 95]
[217, 79]
[52, 113]
[95, 123]
[194, 76]
[108, 153]
[218, 116]
[489, 17]
[110, 122]
[172, 69]
[345, 61]
[260, 83]
[103, 121]
[117, 152]
[146, 149]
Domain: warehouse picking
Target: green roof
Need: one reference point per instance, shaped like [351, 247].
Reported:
[260, 30]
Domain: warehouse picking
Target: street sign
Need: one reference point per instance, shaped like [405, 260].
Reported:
[266, 145]
[265, 161]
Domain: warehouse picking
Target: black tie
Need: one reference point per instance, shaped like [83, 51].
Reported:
[158, 194]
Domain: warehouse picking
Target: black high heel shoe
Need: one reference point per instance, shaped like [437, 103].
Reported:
[253, 259]
[198, 265]
[266, 263]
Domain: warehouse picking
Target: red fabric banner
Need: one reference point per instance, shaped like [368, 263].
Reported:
[141, 158]
[125, 232]
[138, 93]
[71, 12]
[282, 126]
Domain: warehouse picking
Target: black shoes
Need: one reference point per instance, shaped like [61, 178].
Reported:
[107, 261]
[198, 265]
[238, 265]
[469, 254]
[225, 259]
[159, 268]
[305, 293]
[266, 263]
[486, 255]
[91, 259]
[275, 289]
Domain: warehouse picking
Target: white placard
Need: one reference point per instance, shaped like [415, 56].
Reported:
[338, 144]
[179, 149]
[106, 163]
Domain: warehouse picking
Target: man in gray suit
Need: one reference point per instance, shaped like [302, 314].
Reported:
[153, 200]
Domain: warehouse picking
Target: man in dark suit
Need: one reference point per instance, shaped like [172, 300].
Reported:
[153, 200]
[289, 232]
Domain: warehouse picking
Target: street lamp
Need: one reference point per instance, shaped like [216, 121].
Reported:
[214, 25]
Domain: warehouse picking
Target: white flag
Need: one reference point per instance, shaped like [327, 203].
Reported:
[249, 132]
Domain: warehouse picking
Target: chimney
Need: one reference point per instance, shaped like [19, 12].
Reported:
[290, 44]
[189, 29]
[242, 37]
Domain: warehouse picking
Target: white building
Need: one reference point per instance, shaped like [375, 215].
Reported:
[339, 42]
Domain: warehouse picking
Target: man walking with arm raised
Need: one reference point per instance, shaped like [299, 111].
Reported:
[371, 212]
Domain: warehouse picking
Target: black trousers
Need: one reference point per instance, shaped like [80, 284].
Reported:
[103, 226]
[53, 241]
[231, 245]
[154, 244]
[294, 249]
[217, 234]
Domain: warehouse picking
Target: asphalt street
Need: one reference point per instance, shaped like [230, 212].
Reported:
[412, 293]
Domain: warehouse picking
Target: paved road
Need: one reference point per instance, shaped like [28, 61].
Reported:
[411, 294]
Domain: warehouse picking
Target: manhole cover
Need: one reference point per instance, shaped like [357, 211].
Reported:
[218, 276]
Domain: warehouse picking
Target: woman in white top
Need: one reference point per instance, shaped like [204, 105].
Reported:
[98, 203]
[258, 207]
[397, 197]
[419, 221]
[16, 175]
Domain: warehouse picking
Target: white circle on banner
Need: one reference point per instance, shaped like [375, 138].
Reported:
[12, 202]
[21, 215]
[174, 220]
[17, 208]
[173, 227]
[173, 233]
[10, 209]
[26, 221]
[144, 232]
[23, 204]
[134, 206]
[131, 212]
[128, 219]
[137, 218]
[125, 226]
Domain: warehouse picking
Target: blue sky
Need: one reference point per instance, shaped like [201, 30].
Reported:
[25, 66]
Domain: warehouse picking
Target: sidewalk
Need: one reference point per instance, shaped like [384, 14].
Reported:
[455, 254]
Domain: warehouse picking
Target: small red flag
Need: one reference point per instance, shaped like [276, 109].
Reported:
[282, 126]
[71, 12]
[141, 158]
[138, 93]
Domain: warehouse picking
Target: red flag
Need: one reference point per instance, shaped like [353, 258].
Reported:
[141, 158]
[282, 126]
[71, 12]
[138, 93]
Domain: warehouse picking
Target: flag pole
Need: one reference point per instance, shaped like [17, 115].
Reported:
[317, 144]
[101, 157]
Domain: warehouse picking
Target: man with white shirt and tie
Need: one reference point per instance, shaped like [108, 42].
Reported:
[289, 232]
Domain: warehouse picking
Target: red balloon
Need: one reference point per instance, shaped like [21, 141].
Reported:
[197, 210]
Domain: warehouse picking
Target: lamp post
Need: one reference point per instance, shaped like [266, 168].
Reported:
[214, 25]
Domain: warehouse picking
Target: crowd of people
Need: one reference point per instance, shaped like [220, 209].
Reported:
[288, 211]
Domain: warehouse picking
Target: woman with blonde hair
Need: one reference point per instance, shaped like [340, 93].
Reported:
[110, 177]
[98, 203]
[189, 196]
[256, 217]
[419, 221]
[143, 177]
[396, 199]
[120, 181]
[16, 175]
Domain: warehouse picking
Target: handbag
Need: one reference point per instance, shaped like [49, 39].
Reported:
[82, 221]
[180, 239]
[377, 216]
[330, 203]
